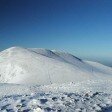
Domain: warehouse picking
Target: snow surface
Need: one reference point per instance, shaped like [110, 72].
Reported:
[52, 102]
[57, 98]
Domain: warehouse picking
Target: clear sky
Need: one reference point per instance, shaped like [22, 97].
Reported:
[82, 27]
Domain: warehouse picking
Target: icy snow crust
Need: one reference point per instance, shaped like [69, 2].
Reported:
[53, 102]
[41, 80]
[57, 98]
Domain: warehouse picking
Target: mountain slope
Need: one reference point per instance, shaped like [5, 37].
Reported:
[42, 66]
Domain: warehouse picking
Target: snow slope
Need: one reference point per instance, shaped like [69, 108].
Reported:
[41, 66]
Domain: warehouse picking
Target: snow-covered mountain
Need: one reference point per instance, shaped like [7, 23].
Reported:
[75, 85]
[42, 66]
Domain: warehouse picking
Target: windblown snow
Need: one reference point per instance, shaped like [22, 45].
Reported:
[42, 80]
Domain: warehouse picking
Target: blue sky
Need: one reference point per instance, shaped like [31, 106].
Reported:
[82, 27]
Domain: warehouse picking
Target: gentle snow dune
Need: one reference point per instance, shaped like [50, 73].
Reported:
[41, 66]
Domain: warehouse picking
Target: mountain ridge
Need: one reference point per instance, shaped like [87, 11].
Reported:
[43, 66]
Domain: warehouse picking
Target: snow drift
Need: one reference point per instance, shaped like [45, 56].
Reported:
[41, 66]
